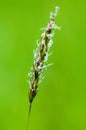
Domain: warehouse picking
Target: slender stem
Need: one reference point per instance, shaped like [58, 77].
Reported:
[29, 111]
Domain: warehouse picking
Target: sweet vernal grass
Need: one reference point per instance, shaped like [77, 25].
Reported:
[41, 55]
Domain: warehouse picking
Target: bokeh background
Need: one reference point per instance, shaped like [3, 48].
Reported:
[61, 101]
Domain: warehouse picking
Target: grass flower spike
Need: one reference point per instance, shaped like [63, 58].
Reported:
[41, 55]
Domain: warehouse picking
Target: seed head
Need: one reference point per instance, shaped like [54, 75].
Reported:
[41, 55]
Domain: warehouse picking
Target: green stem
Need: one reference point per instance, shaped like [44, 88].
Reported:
[29, 111]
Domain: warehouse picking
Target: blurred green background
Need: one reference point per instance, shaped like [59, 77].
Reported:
[61, 101]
